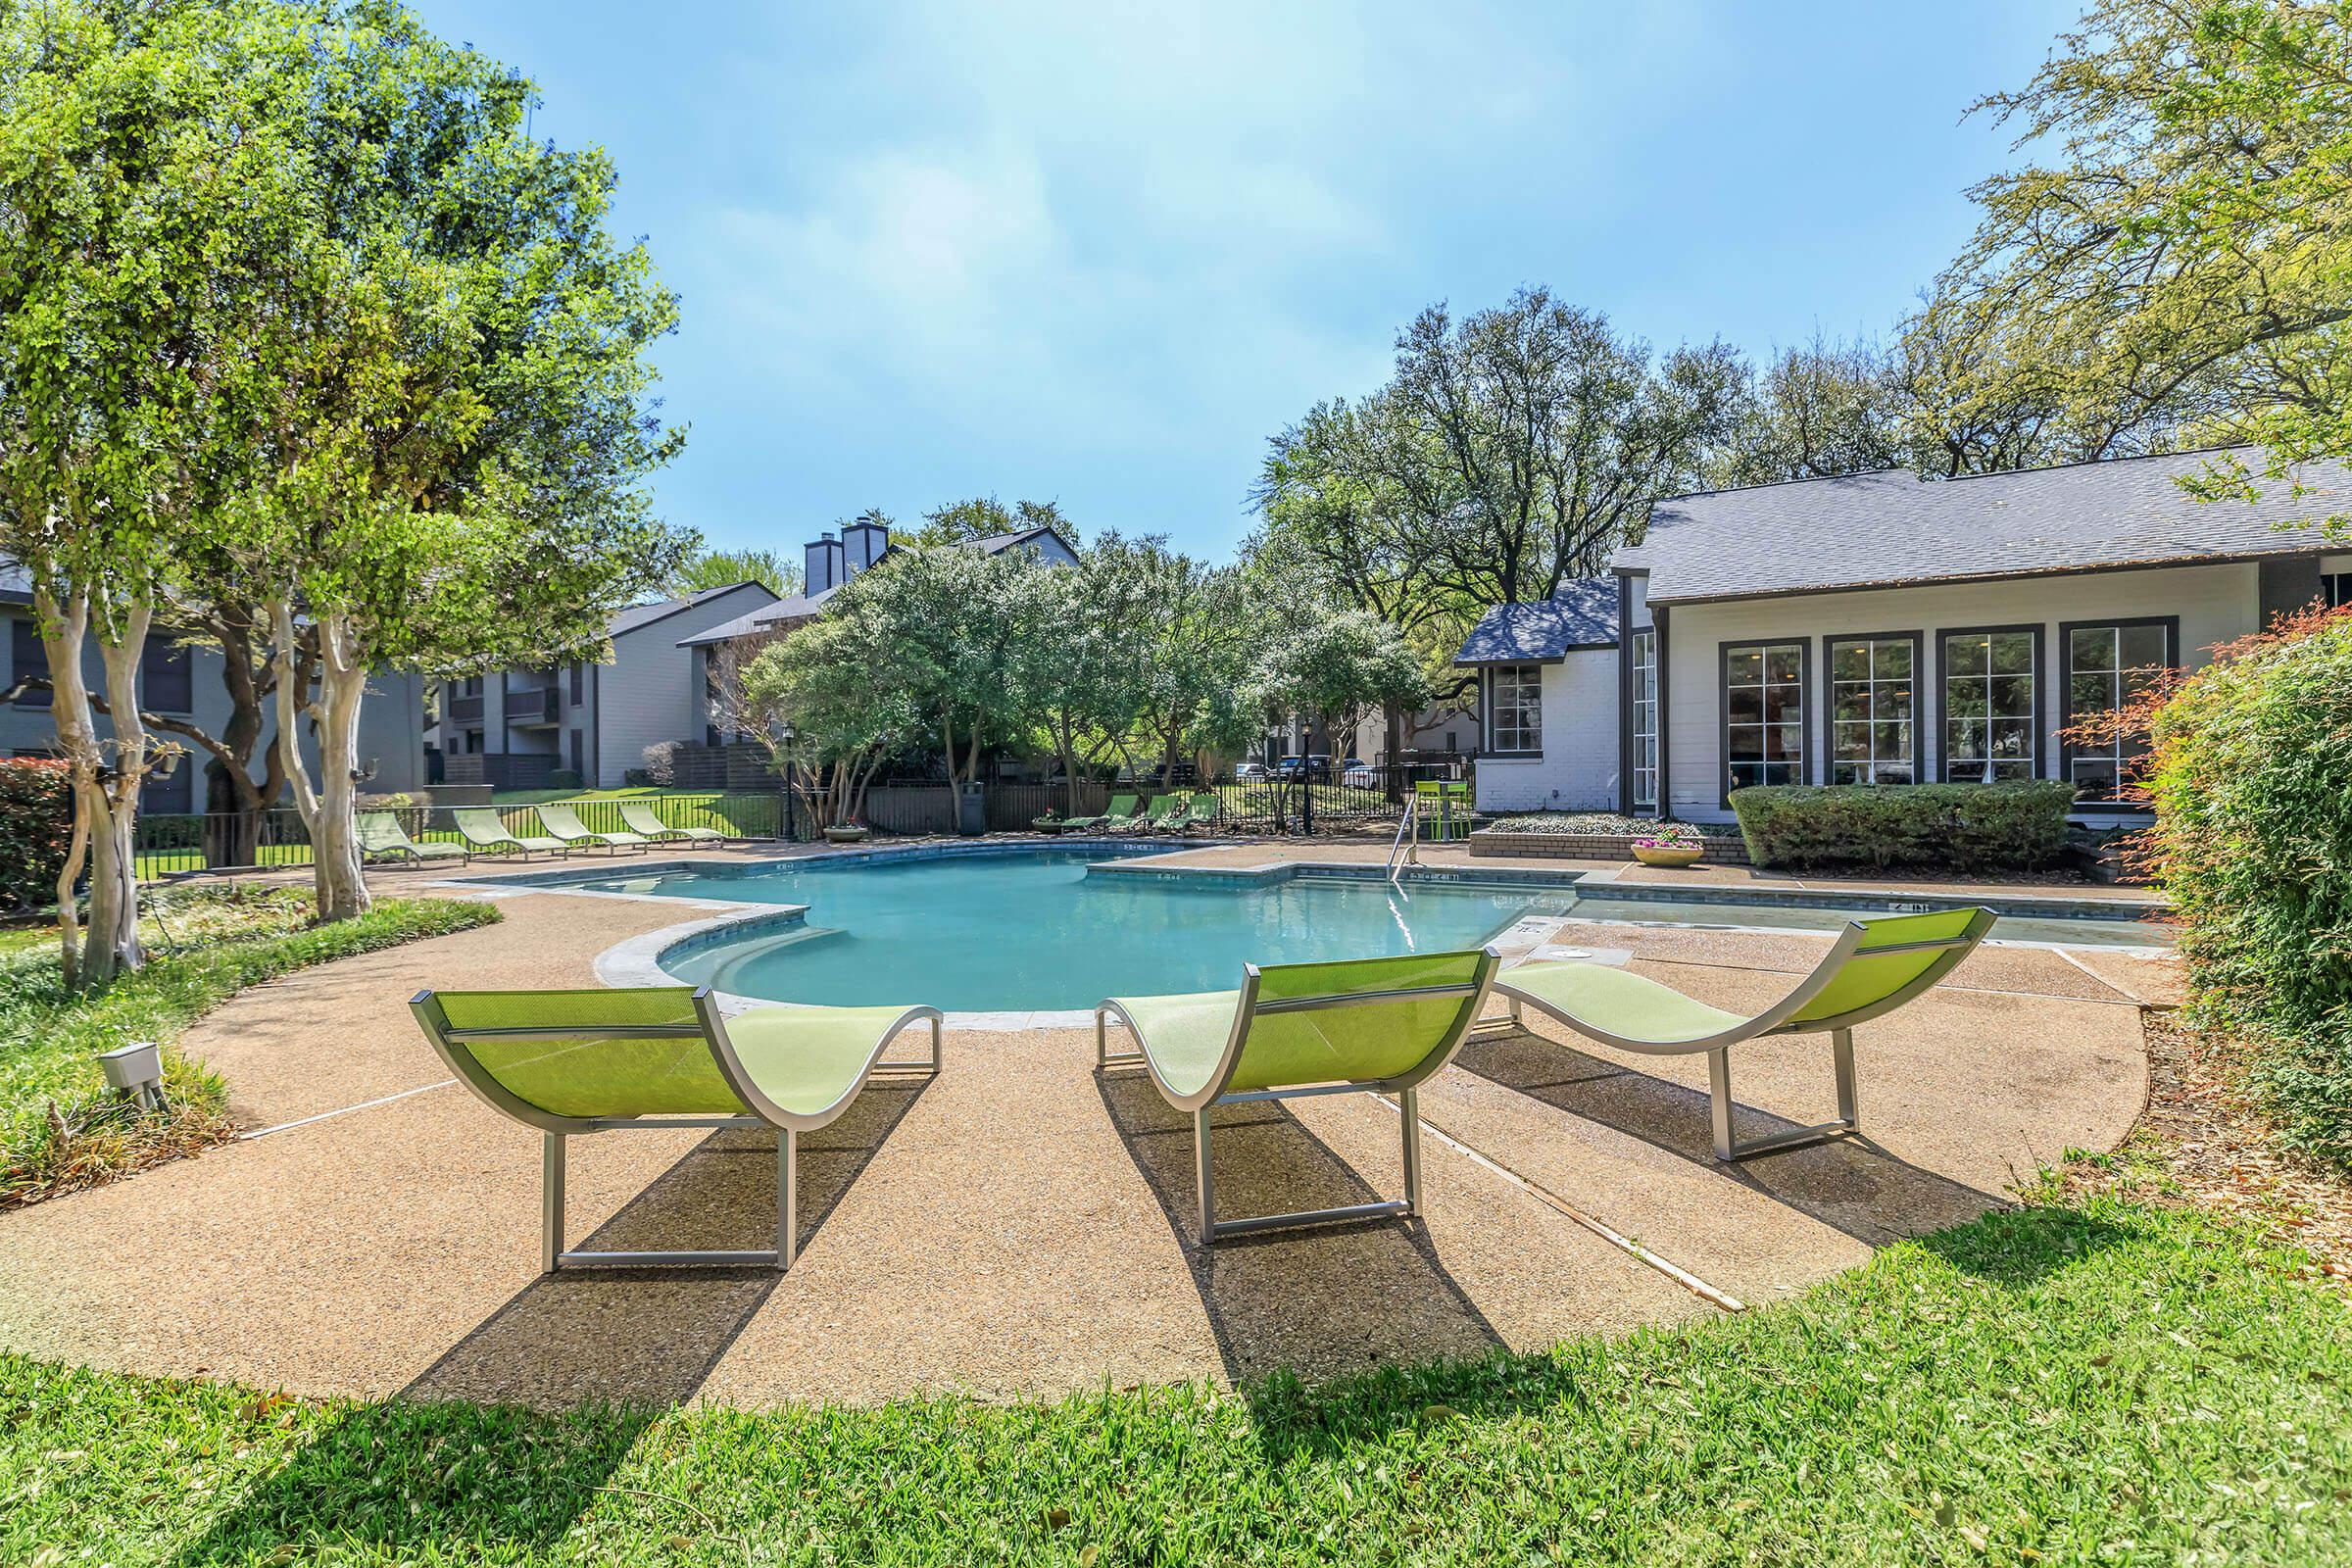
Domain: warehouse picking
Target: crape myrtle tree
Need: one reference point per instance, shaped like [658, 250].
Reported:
[1088, 661]
[821, 679]
[449, 387]
[138, 191]
[1335, 666]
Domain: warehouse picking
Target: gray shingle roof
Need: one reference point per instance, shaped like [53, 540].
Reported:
[800, 606]
[637, 616]
[1876, 529]
[1583, 613]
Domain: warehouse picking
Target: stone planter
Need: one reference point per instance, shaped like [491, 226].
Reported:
[848, 833]
[1669, 855]
[1489, 841]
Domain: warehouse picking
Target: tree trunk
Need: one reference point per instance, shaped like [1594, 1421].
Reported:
[328, 806]
[106, 791]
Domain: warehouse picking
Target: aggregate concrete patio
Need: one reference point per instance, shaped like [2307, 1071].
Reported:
[1020, 1226]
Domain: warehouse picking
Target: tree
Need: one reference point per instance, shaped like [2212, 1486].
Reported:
[1335, 667]
[1825, 409]
[983, 517]
[1088, 663]
[723, 569]
[1526, 442]
[451, 413]
[137, 176]
[947, 633]
[2183, 268]
[820, 679]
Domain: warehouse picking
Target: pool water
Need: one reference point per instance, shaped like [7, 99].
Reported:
[1034, 931]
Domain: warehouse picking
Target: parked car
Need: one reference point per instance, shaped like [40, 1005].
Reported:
[1291, 770]
[1360, 773]
[1318, 769]
[1251, 773]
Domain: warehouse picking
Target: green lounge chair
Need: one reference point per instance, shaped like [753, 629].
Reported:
[638, 818]
[1169, 815]
[381, 836]
[483, 831]
[1372, 1025]
[565, 823]
[1876, 966]
[1201, 812]
[601, 1060]
[1121, 806]
[1129, 821]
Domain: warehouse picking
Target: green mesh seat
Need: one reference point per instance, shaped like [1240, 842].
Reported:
[1121, 808]
[1874, 967]
[564, 821]
[1128, 820]
[382, 837]
[1370, 1025]
[638, 818]
[569, 1062]
[482, 830]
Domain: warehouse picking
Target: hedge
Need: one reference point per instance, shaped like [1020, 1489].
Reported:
[2251, 781]
[36, 825]
[1966, 828]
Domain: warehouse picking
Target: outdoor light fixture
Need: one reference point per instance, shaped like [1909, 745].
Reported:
[136, 1069]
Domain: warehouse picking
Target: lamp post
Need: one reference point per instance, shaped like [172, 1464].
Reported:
[786, 735]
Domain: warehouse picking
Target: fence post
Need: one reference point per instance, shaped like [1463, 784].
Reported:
[1307, 804]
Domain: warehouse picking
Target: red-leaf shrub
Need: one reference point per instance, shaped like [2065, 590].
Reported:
[36, 824]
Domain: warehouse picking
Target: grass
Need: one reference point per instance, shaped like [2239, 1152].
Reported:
[2094, 1382]
[60, 1127]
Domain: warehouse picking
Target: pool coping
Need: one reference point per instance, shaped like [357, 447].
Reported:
[639, 961]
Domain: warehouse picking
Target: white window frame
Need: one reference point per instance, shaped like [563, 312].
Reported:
[1526, 684]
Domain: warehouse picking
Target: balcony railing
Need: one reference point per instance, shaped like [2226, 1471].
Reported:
[540, 705]
[466, 710]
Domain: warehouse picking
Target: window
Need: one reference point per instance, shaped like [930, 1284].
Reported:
[1645, 709]
[1873, 730]
[2107, 666]
[579, 753]
[28, 658]
[166, 672]
[1991, 704]
[580, 684]
[2336, 588]
[1515, 709]
[1763, 713]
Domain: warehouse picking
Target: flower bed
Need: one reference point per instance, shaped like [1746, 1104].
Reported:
[1596, 836]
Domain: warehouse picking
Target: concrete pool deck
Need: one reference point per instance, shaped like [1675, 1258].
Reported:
[1018, 1227]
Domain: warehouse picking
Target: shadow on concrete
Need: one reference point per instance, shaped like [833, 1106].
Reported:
[1851, 1184]
[1321, 1301]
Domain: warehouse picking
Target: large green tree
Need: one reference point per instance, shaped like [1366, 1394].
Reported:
[449, 391]
[2177, 262]
[140, 190]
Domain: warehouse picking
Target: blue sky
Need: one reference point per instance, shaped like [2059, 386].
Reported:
[1098, 253]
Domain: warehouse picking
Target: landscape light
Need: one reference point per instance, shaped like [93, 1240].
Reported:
[136, 1069]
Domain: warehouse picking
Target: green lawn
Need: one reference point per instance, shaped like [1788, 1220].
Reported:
[535, 797]
[2096, 1384]
[59, 1125]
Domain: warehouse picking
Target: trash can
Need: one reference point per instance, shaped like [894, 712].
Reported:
[971, 812]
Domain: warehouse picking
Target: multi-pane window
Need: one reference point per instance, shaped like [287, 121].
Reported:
[1646, 718]
[1764, 713]
[2107, 666]
[1873, 727]
[1515, 708]
[1990, 715]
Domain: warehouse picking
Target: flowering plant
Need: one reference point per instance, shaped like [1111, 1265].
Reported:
[1672, 836]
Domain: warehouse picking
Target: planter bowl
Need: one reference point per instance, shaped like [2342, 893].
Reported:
[844, 835]
[1674, 854]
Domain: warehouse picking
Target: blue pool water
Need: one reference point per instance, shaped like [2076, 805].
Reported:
[1033, 931]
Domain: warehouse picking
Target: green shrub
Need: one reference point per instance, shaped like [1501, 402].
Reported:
[1965, 827]
[2251, 778]
[36, 826]
[563, 778]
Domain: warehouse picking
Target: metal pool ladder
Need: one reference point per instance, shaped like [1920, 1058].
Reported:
[1406, 848]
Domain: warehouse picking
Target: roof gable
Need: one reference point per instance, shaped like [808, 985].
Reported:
[1582, 614]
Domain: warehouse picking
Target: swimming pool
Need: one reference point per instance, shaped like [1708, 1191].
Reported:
[1034, 931]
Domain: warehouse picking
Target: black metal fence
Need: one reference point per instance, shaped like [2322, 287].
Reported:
[218, 841]
[1368, 799]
